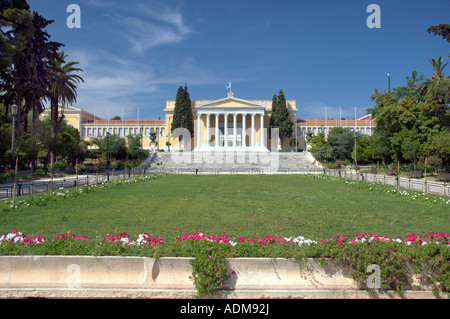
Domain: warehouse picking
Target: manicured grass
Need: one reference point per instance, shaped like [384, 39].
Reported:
[243, 205]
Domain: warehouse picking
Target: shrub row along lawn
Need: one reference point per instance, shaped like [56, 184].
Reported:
[240, 205]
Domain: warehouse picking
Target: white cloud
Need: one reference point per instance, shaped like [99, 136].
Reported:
[147, 24]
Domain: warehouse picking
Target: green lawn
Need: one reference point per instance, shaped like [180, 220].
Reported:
[243, 205]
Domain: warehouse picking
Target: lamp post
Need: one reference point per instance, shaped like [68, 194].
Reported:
[14, 111]
[108, 162]
[356, 163]
[389, 82]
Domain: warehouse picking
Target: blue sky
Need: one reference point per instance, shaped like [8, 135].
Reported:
[135, 54]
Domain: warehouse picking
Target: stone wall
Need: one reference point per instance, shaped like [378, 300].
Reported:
[141, 277]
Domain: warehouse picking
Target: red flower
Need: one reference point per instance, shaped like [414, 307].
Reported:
[99, 160]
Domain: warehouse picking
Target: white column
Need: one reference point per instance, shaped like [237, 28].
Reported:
[217, 131]
[243, 139]
[252, 143]
[208, 135]
[234, 129]
[225, 125]
[199, 130]
[262, 130]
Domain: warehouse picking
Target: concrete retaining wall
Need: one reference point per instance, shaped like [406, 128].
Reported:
[140, 277]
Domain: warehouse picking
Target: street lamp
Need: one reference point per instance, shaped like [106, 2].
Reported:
[108, 162]
[356, 163]
[14, 111]
[389, 82]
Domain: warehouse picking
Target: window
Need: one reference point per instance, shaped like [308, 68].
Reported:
[83, 132]
[146, 131]
[163, 131]
[362, 130]
[157, 131]
[99, 132]
[152, 130]
[135, 131]
[89, 132]
[115, 131]
[120, 132]
[314, 131]
[126, 132]
[104, 132]
[303, 131]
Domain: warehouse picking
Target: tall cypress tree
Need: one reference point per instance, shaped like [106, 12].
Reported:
[182, 116]
[282, 118]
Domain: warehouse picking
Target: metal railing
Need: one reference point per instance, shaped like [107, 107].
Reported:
[422, 186]
[33, 187]
[40, 186]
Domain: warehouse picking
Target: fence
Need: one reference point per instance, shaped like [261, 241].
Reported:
[34, 187]
[403, 182]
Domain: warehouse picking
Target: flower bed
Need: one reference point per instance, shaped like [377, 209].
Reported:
[394, 256]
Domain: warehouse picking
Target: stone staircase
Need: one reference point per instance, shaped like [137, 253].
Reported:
[231, 162]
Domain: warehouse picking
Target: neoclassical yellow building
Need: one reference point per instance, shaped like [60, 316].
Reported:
[229, 123]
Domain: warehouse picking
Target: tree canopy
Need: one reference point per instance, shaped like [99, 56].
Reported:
[182, 116]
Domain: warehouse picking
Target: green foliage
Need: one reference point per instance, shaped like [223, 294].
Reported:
[413, 120]
[209, 270]
[281, 118]
[182, 117]
[442, 30]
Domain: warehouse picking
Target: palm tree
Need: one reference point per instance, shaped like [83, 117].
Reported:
[433, 84]
[63, 87]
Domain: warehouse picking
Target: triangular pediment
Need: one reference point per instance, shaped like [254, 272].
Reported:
[230, 102]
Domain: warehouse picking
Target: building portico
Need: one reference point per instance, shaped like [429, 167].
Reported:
[220, 125]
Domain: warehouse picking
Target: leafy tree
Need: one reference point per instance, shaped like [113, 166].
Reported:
[16, 28]
[409, 88]
[27, 149]
[411, 147]
[26, 79]
[324, 153]
[408, 123]
[364, 152]
[342, 141]
[317, 141]
[381, 148]
[442, 30]
[438, 146]
[134, 148]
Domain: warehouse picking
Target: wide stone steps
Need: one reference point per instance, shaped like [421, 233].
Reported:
[231, 162]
